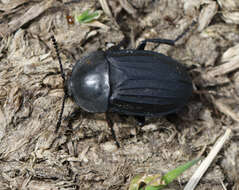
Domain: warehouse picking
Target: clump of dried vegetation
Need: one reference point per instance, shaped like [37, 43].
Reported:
[82, 155]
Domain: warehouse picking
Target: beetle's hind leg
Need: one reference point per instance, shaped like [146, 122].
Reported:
[140, 120]
[142, 44]
[110, 125]
[174, 119]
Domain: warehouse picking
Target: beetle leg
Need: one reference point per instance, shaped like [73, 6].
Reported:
[110, 125]
[74, 115]
[142, 44]
[114, 48]
[122, 43]
[141, 120]
[175, 120]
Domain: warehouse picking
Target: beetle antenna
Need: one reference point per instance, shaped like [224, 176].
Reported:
[58, 57]
[63, 78]
[58, 124]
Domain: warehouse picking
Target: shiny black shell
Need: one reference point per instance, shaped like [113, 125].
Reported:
[131, 82]
[89, 83]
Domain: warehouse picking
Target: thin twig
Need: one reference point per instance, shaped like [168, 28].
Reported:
[207, 161]
[105, 7]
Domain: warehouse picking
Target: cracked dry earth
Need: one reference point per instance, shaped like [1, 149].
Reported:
[83, 155]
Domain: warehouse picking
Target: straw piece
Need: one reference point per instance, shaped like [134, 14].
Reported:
[207, 161]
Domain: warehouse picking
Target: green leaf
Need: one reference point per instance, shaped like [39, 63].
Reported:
[156, 181]
[173, 174]
[87, 16]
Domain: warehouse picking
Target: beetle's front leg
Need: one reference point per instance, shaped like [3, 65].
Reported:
[110, 125]
[73, 116]
[117, 47]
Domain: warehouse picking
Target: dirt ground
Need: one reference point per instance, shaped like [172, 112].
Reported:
[83, 155]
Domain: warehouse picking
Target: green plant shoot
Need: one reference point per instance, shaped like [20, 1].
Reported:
[87, 16]
[157, 181]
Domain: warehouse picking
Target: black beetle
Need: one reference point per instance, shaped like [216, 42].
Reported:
[131, 82]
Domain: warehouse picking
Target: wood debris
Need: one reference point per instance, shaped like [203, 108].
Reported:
[33, 12]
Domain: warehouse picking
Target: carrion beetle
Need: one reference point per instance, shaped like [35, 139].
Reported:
[133, 82]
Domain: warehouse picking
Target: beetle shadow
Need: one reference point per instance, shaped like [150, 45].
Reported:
[79, 114]
[131, 121]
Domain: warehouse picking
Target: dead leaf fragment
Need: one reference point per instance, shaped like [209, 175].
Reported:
[222, 107]
[128, 7]
[33, 12]
[15, 98]
[105, 6]
[231, 63]
[230, 11]
[207, 15]
[12, 4]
